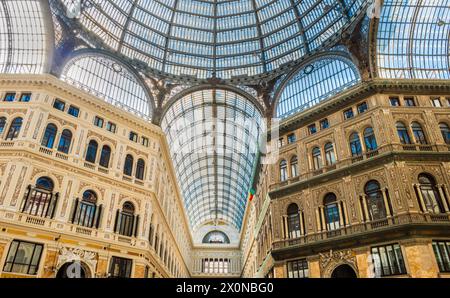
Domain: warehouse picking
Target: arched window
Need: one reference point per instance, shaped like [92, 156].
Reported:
[355, 144]
[49, 136]
[14, 129]
[331, 212]
[370, 140]
[317, 158]
[126, 221]
[430, 194]
[91, 153]
[402, 132]
[375, 202]
[128, 166]
[293, 221]
[418, 133]
[86, 212]
[294, 166]
[445, 130]
[330, 157]
[2, 124]
[105, 156]
[40, 199]
[140, 169]
[283, 170]
[65, 141]
[217, 237]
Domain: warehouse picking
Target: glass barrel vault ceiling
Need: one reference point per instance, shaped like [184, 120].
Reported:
[223, 37]
[213, 137]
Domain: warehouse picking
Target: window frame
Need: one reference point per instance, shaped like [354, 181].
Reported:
[29, 264]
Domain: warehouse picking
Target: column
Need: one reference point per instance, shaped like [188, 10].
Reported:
[361, 211]
[386, 203]
[286, 229]
[421, 201]
[302, 228]
[341, 218]
[319, 229]
[444, 201]
[346, 213]
[322, 212]
[366, 210]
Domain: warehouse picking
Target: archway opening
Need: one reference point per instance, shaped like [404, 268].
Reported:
[344, 271]
[72, 269]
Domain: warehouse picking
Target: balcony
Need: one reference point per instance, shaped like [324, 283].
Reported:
[361, 230]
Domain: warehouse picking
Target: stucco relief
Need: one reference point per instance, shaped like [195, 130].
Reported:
[332, 259]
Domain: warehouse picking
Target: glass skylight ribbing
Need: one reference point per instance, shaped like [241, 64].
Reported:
[314, 83]
[109, 79]
[213, 137]
[223, 37]
[23, 37]
[413, 39]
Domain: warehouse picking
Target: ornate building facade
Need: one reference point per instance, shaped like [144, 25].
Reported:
[251, 138]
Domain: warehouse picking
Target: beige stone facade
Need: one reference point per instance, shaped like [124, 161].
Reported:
[322, 235]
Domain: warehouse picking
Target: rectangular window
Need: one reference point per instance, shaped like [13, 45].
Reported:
[324, 124]
[312, 129]
[23, 257]
[25, 97]
[291, 138]
[133, 136]
[144, 141]
[111, 127]
[120, 268]
[442, 253]
[280, 143]
[395, 101]
[74, 111]
[298, 269]
[436, 102]
[348, 114]
[98, 121]
[59, 104]
[410, 102]
[388, 260]
[362, 107]
[10, 96]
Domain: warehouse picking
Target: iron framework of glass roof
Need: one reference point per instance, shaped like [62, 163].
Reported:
[316, 82]
[413, 40]
[23, 37]
[217, 38]
[108, 78]
[213, 137]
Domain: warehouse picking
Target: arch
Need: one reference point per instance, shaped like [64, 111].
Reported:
[429, 193]
[294, 166]
[45, 183]
[293, 221]
[2, 125]
[418, 133]
[65, 141]
[105, 156]
[91, 152]
[14, 129]
[123, 87]
[298, 92]
[48, 140]
[344, 271]
[412, 40]
[283, 170]
[375, 202]
[128, 165]
[74, 269]
[402, 132]
[331, 212]
[370, 140]
[445, 131]
[26, 41]
[355, 144]
[330, 155]
[140, 169]
[317, 158]
[215, 130]
[216, 237]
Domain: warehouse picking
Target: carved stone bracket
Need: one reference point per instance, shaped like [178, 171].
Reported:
[329, 261]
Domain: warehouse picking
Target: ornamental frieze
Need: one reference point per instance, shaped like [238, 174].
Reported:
[332, 259]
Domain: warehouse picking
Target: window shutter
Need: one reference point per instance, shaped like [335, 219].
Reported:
[117, 219]
[74, 209]
[136, 225]
[98, 214]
